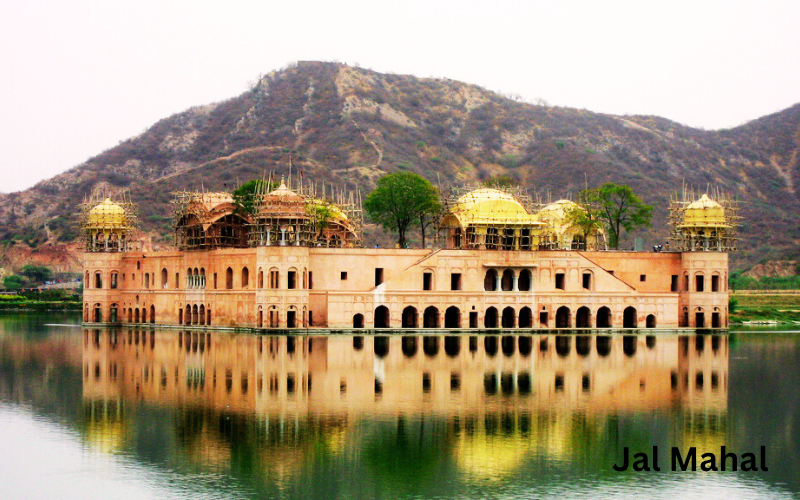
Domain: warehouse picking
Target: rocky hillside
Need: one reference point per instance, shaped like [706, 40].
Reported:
[348, 126]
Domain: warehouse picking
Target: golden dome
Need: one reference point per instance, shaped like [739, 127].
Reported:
[107, 215]
[490, 206]
[704, 212]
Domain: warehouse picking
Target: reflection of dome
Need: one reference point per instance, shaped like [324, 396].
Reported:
[491, 458]
[490, 206]
[107, 215]
[106, 436]
[704, 212]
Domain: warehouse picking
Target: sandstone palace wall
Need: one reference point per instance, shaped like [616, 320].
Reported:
[277, 287]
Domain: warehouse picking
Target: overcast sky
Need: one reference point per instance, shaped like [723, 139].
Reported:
[78, 77]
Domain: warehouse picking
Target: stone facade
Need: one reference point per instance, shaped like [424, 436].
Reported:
[307, 287]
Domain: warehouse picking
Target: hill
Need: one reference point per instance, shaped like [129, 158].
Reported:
[347, 126]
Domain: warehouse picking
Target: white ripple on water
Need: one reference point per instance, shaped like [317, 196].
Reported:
[43, 460]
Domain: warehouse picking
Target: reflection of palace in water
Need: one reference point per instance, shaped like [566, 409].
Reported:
[493, 390]
[404, 373]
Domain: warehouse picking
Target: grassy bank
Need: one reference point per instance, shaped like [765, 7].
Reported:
[766, 306]
[55, 300]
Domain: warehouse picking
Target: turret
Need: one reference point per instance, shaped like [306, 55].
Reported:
[107, 226]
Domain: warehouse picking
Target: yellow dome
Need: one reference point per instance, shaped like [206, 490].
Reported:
[490, 206]
[704, 212]
[107, 215]
[557, 209]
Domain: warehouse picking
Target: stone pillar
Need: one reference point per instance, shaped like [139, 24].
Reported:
[514, 286]
[498, 282]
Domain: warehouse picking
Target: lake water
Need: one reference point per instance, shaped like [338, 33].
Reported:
[138, 414]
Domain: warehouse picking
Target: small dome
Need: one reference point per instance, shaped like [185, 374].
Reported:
[107, 215]
[490, 206]
[704, 212]
[284, 192]
[557, 209]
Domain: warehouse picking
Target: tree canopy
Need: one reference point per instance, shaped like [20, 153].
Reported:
[36, 274]
[13, 282]
[401, 200]
[244, 197]
[619, 208]
[586, 214]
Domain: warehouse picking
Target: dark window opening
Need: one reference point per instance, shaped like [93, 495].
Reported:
[673, 287]
[715, 283]
[455, 281]
[427, 281]
[291, 280]
[378, 276]
[642, 277]
[343, 275]
[700, 283]
[587, 281]
[560, 281]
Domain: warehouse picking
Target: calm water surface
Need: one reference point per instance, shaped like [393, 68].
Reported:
[129, 413]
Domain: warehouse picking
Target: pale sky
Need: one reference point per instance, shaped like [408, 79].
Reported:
[78, 77]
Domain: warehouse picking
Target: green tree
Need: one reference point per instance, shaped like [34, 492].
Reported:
[399, 200]
[244, 197]
[323, 213]
[13, 282]
[586, 214]
[36, 274]
[621, 209]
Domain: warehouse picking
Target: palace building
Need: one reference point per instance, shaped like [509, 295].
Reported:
[295, 261]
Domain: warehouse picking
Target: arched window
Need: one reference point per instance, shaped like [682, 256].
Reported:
[650, 321]
[410, 317]
[629, 318]
[358, 321]
[164, 278]
[274, 278]
[563, 317]
[260, 278]
[381, 317]
[525, 280]
[229, 279]
[152, 314]
[452, 317]
[525, 317]
[507, 282]
[147, 280]
[431, 318]
[245, 277]
[490, 281]
[583, 318]
[490, 318]
[509, 317]
[604, 317]
[202, 314]
[98, 280]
